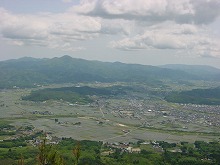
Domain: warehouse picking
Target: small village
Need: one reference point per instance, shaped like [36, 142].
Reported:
[185, 114]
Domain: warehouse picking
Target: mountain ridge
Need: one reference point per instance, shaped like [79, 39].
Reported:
[204, 71]
[25, 72]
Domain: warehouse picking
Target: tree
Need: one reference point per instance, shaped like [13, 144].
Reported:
[42, 153]
[77, 152]
[48, 156]
[21, 160]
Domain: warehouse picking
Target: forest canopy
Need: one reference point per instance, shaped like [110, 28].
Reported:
[196, 96]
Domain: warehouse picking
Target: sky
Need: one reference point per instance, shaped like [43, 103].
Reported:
[150, 32]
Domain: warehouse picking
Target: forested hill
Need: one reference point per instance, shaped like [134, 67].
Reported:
[203, 71]
[27, 71]
[196, 96]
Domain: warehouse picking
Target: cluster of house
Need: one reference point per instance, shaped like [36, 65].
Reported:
[49, 140]
[123, 147]
[42, 113]
[207, 115]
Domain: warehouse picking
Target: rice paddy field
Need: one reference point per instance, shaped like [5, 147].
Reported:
[112, 122]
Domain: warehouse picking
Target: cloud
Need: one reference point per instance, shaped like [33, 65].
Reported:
[116, 27]
[150, 40]
[207, 47]
[206, 11]
[67, 1]
[173, 36]
[60, 30]
[181, 11]
[134, 24]
[47, 29]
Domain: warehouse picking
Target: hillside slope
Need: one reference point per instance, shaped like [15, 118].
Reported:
[27, 71]
[203, 71]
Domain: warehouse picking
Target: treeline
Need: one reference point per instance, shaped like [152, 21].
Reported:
[70, 151]
[5, 129]
[73, 94]
[69, 96]
[196, 96]
[18, 142]
[5, 125]
[58, 94]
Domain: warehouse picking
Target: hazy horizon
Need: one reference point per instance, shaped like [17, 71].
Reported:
[110, 61]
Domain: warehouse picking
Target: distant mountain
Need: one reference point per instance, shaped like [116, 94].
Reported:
[203, 71]
[27, 71]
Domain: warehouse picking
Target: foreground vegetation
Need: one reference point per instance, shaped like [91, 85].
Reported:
[70, 151]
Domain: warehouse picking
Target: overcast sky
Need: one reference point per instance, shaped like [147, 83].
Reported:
[151, 32]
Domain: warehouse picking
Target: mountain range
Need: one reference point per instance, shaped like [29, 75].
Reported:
[27, 71]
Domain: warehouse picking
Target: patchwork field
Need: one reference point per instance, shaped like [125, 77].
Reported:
[113, 120]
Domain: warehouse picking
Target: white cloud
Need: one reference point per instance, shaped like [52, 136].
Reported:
[137, 24]
[151, 40]
[181, 11]
[116, 26]
[67, 1]
[47, 29]
[173, 37]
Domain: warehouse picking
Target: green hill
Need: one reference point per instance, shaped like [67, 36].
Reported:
[196, 96]
[203, 71]
[80, 95]
[27, 71]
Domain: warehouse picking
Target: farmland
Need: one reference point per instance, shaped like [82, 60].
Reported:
[134, 115]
